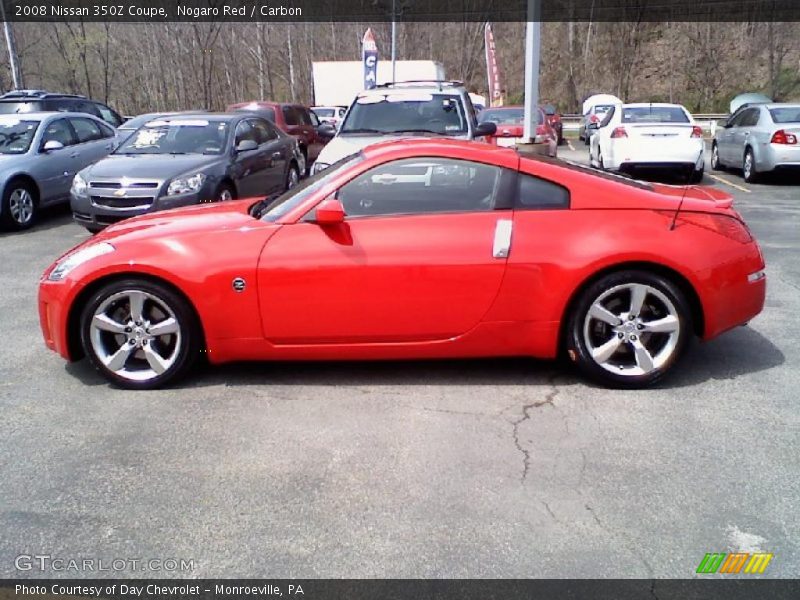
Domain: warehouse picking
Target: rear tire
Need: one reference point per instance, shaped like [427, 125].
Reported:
[20, 206]
[140, 334]
[749, 167]
[628, 329]
[292, 177]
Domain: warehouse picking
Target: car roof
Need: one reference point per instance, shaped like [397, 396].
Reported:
[656, 104]
[779, 105]
[42, 115]
[206, 116]
[411, 90]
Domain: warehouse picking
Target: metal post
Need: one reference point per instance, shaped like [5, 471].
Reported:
[394, 40]
[533, 38]
[11, 44]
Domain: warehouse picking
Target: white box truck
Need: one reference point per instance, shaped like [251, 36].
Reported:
[336, 83]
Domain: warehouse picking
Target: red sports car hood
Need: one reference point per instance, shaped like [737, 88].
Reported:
[193, 219]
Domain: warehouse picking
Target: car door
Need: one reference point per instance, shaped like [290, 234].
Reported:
[54, 169]
[726, 142]
[94, 140]
[742, 134]
[250, 166]
[420, 257]
[275, 153]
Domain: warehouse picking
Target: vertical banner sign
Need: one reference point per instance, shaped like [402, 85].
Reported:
[492, 71]
[369, 53]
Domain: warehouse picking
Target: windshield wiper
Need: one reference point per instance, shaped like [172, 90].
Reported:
[363, 130]
[416, 131]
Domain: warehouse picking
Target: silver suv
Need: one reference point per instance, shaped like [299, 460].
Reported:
[395, 110]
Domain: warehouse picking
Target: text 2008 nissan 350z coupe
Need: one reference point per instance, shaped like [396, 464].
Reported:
[414, 249]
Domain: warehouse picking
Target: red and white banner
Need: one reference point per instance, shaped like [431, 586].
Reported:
[496, 91]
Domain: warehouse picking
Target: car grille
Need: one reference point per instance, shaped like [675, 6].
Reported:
[123, 203]
[115, 185]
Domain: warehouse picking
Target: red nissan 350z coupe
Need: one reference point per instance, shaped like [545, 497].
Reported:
[416, 248]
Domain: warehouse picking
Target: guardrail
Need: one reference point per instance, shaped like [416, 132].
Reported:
[708, 121]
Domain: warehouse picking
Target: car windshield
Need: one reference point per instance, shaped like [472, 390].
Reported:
[785, 114]
[507, 116]
[16, 135]
[178, 136]
[654, 114]
[298, 194]
[136, 122]
[324, 112]
[406, 113]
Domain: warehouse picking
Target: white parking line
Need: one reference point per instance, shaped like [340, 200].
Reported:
[730, 183]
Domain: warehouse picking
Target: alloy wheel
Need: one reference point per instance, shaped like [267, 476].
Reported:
[135, 335]
[294, 179]
[632, 329]
[20, 205]
[225, 195]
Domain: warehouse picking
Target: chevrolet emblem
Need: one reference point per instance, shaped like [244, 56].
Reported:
[120, 193]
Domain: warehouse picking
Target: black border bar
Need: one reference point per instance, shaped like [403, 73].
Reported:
[733, 588]
[131, 11]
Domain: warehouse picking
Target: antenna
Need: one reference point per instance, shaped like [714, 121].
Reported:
[680, 204]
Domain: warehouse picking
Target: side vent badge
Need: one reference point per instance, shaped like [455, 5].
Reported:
[239, 284]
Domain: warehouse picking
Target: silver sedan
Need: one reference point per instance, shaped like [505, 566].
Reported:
[41, 152]
[759, 139]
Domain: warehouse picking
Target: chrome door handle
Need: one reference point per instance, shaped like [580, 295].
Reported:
[502, 238]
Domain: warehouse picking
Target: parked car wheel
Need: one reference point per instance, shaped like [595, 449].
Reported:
[139, 334]
[628, 329]
[19, 205]
[749, 167]
[224, 193]
[93, 229]
[697, 175]
[715, 163]
[292, 177]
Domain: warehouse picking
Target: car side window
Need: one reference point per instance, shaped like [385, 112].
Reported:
[736, 120]
[313, 118]
[62, 105]
[421, 186]
[86, 130]
[534, 193]
[108, 115]
[750, 118]
[290, 115]
[106, 131]
[263, 132]
[244, 132]
[58, 131]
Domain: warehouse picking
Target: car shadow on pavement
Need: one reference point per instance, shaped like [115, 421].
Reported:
[739, 352]
[49, 218]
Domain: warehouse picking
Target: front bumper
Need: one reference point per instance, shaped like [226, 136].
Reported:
[90, 212]
[54, 299]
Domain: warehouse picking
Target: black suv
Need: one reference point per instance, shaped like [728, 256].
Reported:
[24, 101]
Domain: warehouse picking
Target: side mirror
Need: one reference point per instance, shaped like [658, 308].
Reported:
[326, 130]
[723, 123]
[52, 145]
[329, 212]
[486, 128]
[593, 126]
[246, 146]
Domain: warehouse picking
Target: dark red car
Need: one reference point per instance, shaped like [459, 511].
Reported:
[510, 126]
[554, 118]
[294, 119]
[416, 248]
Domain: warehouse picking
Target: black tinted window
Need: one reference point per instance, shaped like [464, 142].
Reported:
[421, 186]
[535, 193]
[750, 117]
[61, 105]
[291, 115]
[58, 131]
[86, 130]
[262, 131]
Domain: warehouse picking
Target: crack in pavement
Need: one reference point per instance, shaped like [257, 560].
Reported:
[526, 415]
[628, 545]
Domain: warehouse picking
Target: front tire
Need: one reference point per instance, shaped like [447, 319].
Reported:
[628, 329]
[716, 165]
[140, 334]
[224, 193]
[292, 177]
[19, 205]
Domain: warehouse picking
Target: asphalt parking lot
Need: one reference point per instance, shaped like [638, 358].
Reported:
[510, 468]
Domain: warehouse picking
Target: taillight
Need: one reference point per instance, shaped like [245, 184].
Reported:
[781, 137]
[594, 118]
[619, 132]
[697, 132]
[722, 224]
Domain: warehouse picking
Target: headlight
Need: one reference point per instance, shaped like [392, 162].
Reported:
[319, 166]
[79, 185]
[185, 185]
[69, 262]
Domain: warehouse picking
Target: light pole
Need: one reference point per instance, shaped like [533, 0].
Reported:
[11, 44]
[394, 40]
[533, 40]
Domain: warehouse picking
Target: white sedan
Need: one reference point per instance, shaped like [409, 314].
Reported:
[648, 136]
